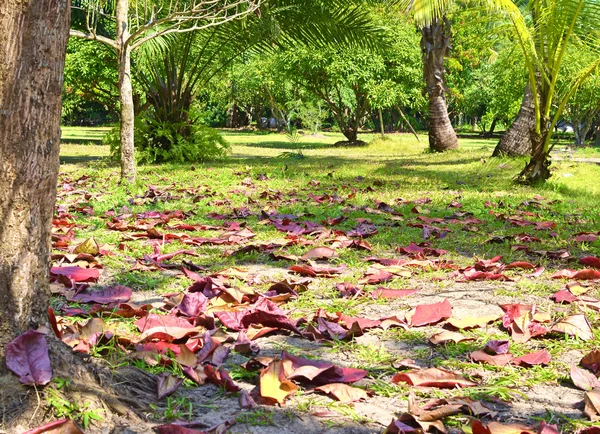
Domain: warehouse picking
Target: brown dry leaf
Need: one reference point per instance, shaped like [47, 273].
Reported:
[320, 253]
[186, 357]
[274, 384]
[448, 336]
[498, 428]
[592, 404]
[343, 393]
[583, 379]
[437, 409]
[574, 325]
[472, 322]
[433, 377]
[494, 360]
[89, 246]
[591, 361]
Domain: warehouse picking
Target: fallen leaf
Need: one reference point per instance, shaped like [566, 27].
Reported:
[497, 428]
[591, 361]
[76, 274]
[113, 294]
[62, 426]
[591, 401]
[574, 325]
[541, 357]
[448, 336]
[89, 246]
[496, 347]
[221, 378]
[563, 296]
[392, 293]
[433, 377]
[472, 321]
[320, 373]
[274, 384]
[246, 400]
[343, 392]
[591, 261]
[27, 356]
[491, 359]
[167, 384]
[426, 314]
[172, 428]
[320, 253]
[583, 379]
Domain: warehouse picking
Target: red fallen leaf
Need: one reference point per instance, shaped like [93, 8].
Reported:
[491, 359]
[586, 238]
[267, 313]
[473, 275]
[431, 313]
[172, 428]
[320, 253]
[246, 400]
[433, 377]
[324, 373]
[362, 323]
[574, 325]
[583, 379]
[193, 304]
[398, 426]
[589, 430]
[317, 271]
[546, 428]
[591, 361]
[363, 230]
[376, 277]
[220, 378]
[590, 261]
[520, 264]
[343, 393]
[348, 289]
[497, 428]
[27, 356]
[496, 347]
[165, 327]
[577, 275]
[76, 274]
[53, 322]
[113, 294]
[563, 296]
[541, 357]
[209, 345]
[392, 293]
[167, 385]
[62, 426]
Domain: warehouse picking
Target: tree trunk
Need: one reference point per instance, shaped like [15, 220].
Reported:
[490, 133]
[538, 168]
[435, 45]
[381, 126]
[33, 45]
[517, 139]
[128, 171]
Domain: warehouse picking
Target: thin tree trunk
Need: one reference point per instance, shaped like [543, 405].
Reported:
[381, 127]
[435, 45]
[517, 139]
[128, 170]
[492, 128]
[408, 123]
[33, 44]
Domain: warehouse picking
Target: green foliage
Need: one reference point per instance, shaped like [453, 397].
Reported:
[179, 142]
[62, 407]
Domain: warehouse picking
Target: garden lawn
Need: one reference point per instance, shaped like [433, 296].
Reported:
[247, 222]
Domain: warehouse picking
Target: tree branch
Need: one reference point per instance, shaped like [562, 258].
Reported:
[94, 37]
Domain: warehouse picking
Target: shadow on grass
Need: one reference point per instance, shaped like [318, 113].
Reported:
[79, 159]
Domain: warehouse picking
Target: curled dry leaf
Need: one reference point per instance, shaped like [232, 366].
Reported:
[491, 359]
[27, 356]
[433, 377]
[167, 384]
[246, 400]
[496, 347]
[574, 325]
[583, 379]
[591, 361]
[497, 428]
[343, 392]
[89, 246]
[172, 428]
[591, 401]
[448, 336]
[273, 382]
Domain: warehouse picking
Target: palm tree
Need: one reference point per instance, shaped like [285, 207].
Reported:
[557, 25]
[431, 18]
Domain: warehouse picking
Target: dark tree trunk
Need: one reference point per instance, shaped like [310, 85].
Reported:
[538, 168]
[517, 139]
[435, 45]
[492, 128]
[33, 44]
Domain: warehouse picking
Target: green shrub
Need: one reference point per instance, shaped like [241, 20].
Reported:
[178, 142]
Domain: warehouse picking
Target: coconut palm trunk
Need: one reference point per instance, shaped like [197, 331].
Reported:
[517, 139]
[435, 46]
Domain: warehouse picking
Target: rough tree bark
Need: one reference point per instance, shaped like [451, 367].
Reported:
[33, 43]
[435, 45]
[517, 139]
